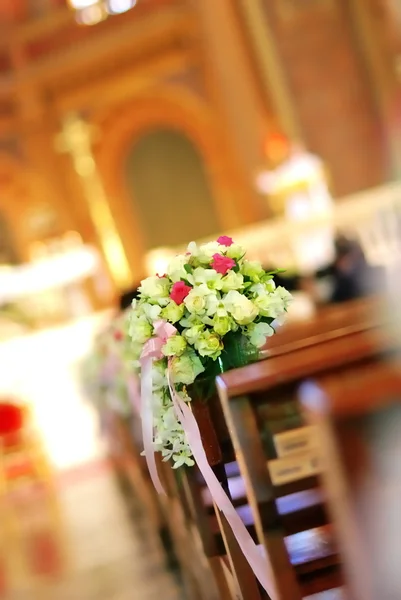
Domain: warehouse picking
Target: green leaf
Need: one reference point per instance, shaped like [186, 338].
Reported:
[188, 268]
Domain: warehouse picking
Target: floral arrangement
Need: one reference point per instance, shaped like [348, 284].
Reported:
[107, 369]
[220, 307]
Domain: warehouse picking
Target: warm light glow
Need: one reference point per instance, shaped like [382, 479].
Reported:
[91, 12]
[91, 15]
[81, 4]
[72, 239]
[276, 147]
[47, 274]
[157, 260]
[120, 6]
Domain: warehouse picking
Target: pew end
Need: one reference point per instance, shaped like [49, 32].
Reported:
[358, 419]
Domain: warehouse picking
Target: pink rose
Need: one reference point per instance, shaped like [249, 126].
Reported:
[224, 240]
[179, 292]
[222, 264]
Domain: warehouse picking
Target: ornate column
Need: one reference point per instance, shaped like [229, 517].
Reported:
[271, 70]
[76, 139]
[233, 86]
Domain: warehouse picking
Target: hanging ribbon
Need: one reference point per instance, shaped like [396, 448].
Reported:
[152, 350]
[258, 563]
[134, 395]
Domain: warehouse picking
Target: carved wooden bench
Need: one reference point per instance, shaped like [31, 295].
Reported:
[358, 420]
[282, 488]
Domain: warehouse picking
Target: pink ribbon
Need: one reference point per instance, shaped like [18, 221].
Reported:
[110, 368]
[134, 393]
[152, 350]
[260, 566]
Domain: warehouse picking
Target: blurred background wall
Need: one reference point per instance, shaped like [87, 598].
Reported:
[148, 128]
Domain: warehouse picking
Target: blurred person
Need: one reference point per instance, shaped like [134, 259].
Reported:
[350, 276]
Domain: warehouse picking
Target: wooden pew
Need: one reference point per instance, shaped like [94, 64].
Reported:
[358, 419]
[355, 317]
[196, 526]
[168, 515]
[286, 501]
[328, 324]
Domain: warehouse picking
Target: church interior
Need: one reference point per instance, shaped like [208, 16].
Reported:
[156, 439]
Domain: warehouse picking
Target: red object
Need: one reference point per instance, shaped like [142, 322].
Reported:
[224, 240]
[44, 554]
[179, 292]
[11, 422]
[118, 336]
[222, 264]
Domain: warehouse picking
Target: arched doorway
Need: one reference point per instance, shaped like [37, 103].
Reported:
[169, 111]
[167, 181]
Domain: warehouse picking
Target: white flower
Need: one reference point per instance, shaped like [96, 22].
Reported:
[176, 269]
[193, 249]
[232, 281]
[271, 305]
[173, 312]
[235, 251]
[183, 459]
[192, 333]
[208, 277]
[140, 330]
[204, 253]
[258, 332]
[271, 285]
[222, 325]
[209, 344]
[285, 296]
[190, 321]
[186, 368]
[252, 269]
[151, 311]
[174, 346]
[155, 287]
[201, 301]
[159, 377]
[240, 307]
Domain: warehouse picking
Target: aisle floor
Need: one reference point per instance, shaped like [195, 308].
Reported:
[96, 550]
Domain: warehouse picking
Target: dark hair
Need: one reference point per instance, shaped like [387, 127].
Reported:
[127, 297]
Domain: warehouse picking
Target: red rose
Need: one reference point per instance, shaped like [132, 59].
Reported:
[179, 292]
[222, 264]
[224, 240]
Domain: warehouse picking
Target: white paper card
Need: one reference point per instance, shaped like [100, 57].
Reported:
[302, 439]
[293, 468]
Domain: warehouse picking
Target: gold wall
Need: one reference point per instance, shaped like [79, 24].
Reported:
[222, 75]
